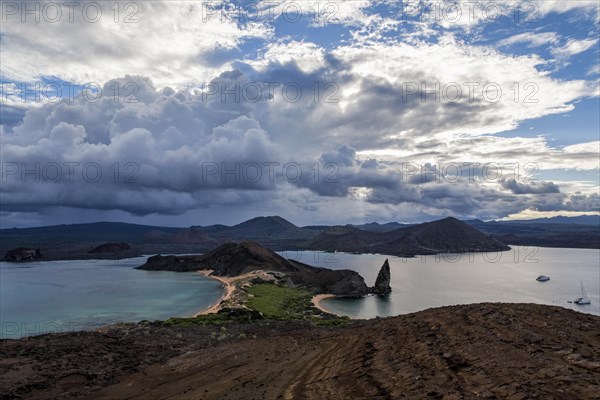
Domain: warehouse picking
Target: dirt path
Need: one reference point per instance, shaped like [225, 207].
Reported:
[473, 352]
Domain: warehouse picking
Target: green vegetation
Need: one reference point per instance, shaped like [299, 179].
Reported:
[208, 319]
[266, 301]
[225, 316]
[279, 302]
[284, 303]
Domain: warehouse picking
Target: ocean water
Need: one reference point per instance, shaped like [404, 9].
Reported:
[433, 281]
[53, 296]
[56, 296]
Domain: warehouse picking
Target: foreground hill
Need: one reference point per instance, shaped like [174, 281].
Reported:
[234, 259]
[445, 235]
[478, 351]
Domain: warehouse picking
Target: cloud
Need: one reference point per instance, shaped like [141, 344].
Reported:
[573, 47]
[583, 203]
[105, 44]
[318, 13]
[432, 17]
[187, 150]
[532, 39]
[176, 131]
[157, 155]
[527, 155]
[529, 188]
[344, 156]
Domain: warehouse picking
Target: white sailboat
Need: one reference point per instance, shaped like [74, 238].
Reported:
[583, 299]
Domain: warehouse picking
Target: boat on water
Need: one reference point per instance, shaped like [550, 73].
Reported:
[583, 300]
[542, 278]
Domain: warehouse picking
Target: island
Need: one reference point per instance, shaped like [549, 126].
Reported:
[247, 268]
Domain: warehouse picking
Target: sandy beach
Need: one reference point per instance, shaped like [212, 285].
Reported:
[230, 288]
[316, 300]
[227, 285]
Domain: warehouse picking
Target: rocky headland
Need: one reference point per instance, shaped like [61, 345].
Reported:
[235, 259]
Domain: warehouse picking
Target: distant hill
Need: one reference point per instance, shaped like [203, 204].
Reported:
[273, 227]
[449, 235]
[376, 227]
[182, 236]
[369, 227]
[543, 234]
[76, 240]
[580, 220]
[445, 235]
[343, 238]
[95, 231]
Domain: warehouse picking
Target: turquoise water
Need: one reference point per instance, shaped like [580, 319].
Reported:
[433, 281]
[52, 296]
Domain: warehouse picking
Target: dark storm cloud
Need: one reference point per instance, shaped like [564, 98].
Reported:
[529, 188]
[209, 144]
[11, 115]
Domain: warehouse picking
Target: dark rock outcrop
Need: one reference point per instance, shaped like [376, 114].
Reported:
[111, 248]
[341, 282]
[22, 254]
[233, 259]
[382, 283]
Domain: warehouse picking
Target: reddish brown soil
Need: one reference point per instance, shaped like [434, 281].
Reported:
[480, 351]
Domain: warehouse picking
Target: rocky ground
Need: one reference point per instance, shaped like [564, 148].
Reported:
[480, 351]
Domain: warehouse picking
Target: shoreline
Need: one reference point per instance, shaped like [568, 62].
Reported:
[316, 301]
[228, 287]
[229, 284]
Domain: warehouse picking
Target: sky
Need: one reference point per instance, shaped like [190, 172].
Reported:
[183, 113]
